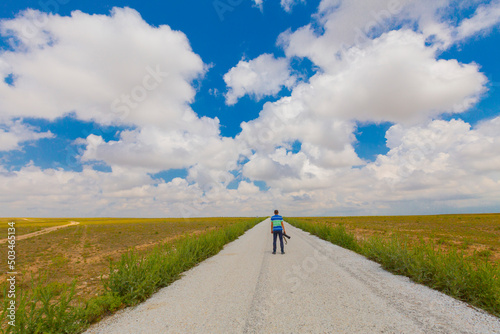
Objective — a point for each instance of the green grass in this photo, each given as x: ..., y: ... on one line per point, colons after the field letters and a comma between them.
x: 54, y: 308
x: 468, y: 278
x: 46, y: 308
x: 30, y: 225
x: 469, y: 232
x: 136, y: 277
x: 84, y: 250
x: 337, y: 235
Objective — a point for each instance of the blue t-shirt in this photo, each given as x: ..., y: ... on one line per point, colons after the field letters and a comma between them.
x: 277, y: 220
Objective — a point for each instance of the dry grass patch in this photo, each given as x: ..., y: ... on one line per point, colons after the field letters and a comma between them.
x: 477, y: 234
x: 83, y: 251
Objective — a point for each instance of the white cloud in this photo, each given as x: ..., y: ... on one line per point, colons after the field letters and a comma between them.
x: 367, y: 71
x: 288, y: 4
x: 442, y: 160
x: 395, y: 78
x: 345, y: 24
x: 97, y: 67
x: 369, y: 75
x: 153, y: 149
x: 356, y: 22
x: 32, y: 191
x: 440, y: 166
x: 16, y: 133
x: 248, y: 189
x: 269, y: 169
x: 258, y: 3
x: 485, y: 17
x: 259, y: 77
x: 113, y: 69
x: 285, y: 4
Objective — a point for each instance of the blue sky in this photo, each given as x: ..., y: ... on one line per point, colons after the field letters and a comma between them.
x: 237, y: 107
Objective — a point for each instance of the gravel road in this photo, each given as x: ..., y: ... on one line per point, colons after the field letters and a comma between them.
x: 316, y: 287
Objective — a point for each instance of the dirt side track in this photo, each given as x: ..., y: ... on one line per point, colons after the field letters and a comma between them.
x: 44, y: 231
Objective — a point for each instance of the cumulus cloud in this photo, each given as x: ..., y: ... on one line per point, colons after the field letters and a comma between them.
x: 15, y: 133
x: 118, y: 70
x: 396, y: 78
x: 153, y: 149
x: 344, y: 24
x: 371, y: 67
x: 369, y: 73
x: 355, y: 23
x: 33, y: 191
x: 325, y: 142
x: 440, y: 166
x: 112, y: 69
x: 259, y: 77
x: 441, y: 160
x: 49, y: 192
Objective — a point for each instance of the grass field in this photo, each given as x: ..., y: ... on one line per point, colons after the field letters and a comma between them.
x: 83, y: 251
x: 455, y: 254
x: 30, y: 225
x: 86, y: 271
x: 475, y: 233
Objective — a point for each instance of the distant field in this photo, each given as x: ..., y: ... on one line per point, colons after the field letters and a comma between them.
x: 30, y: 225
x: 83, y: 251
x: 478, y: 233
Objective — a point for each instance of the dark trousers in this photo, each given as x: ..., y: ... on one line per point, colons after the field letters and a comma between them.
x: 278, y: 234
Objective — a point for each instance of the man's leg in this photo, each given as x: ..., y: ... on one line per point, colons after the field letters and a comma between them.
x: 281, y: 242
x: 275, y: 234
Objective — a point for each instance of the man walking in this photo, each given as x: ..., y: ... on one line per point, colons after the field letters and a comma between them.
x: 277, y: 229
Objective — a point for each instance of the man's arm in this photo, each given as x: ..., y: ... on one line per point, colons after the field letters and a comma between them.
x: 283, y: 226
x: 271, y: 227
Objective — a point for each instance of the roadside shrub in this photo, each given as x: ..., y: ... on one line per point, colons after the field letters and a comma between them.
x: 335, y: 234
x: 100, y: 306
x: 46, y: 308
